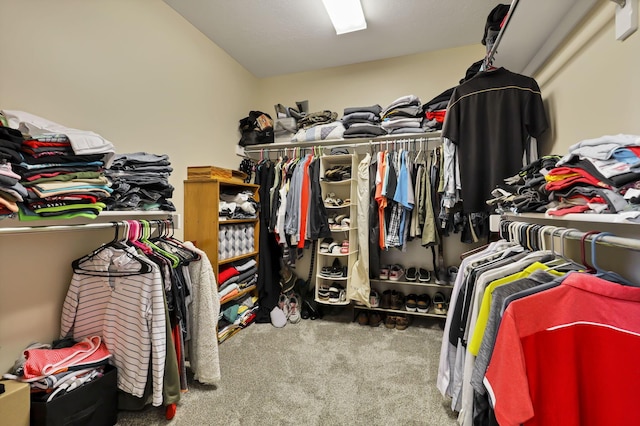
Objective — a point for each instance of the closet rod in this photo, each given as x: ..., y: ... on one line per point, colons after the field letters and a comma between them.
x: 340, y: 143
x: 611, y: 241
x: 61, y: 228
x: 488, y: 60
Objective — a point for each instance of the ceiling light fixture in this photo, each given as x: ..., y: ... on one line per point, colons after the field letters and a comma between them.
x: 346, y: 15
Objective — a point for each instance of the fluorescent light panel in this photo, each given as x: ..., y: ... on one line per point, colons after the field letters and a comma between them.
x: 346, y: 15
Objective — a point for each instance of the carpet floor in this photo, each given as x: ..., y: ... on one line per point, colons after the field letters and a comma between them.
x: 329, y: 371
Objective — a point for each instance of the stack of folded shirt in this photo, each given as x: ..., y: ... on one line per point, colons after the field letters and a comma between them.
x: 235, y: 277
x: 525, y: 191
x: 404, y: 115
x: 362, y: 122
x: 596, y: 176
x: 11, y: 191
x: 140, y: 182
x: 60, y: 184
x: 435, y: 111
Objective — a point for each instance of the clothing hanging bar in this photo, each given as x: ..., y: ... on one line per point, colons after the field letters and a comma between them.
x: 341, y: 143
x: 488, y: 60
x: 574, y: 234
x: 74, y: 227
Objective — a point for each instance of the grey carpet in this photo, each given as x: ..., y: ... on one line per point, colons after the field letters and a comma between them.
x: 329, y: 371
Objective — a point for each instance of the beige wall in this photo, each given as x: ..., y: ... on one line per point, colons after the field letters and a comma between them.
x: 133, y: 71
x: 591, y: 86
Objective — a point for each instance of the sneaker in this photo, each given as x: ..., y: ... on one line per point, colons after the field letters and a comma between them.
x: 424, y: 276
x: 294, y: 309
x: 324, y: 245
x: 323, y: 293
x: 440, y: 305
x: 384, y: 272
x: 283, y: 304
x: 453, y: 274
x: 396, y: 272
x: 345, y: 247
x: 374, y: 298
x: 423, y: 303
x: 411, y: 304
x: 336, y: 293
x: 412, y: 274
x: 336, y: 269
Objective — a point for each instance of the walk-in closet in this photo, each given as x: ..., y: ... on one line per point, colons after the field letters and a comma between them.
x: 243, y: 213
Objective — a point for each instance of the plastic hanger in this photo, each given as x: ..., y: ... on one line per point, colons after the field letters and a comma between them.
x: 583, y: 251
x: 607, y: 275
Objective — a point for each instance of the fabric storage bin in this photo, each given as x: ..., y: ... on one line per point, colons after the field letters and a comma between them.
x: 93, y: 404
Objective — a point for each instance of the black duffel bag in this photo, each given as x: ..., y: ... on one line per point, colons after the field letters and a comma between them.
x: 256, y: 129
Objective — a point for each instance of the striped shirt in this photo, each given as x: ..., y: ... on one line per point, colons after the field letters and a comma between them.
x: 126, y: 311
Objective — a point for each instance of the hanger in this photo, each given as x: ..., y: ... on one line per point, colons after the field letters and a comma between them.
x: 78, y: 267
x: 583, y: 251
x: 607, y: 275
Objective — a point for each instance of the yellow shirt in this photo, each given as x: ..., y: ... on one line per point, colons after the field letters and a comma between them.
x: 483, y: 314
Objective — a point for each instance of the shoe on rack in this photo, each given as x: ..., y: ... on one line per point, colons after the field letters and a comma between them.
x: 345, y: 247
x: 384, y: 272
x: 390, y: 321
x: 397, y: 300
x: 325, y: 244
x: 453, y: 274
x: 385, y: 300
x: 374, y: 319
x: 424, y: 276
x: 374, y: 298
x: 411, y: 304
x: 440, y: 305
x: 336, y: 269
x: 336, y: 293
x: 396, y: 272
x: 323, y: 292
x: 363, y: 318
x: 412, y: 274
x: 423, y: 303
x: 402, y: 322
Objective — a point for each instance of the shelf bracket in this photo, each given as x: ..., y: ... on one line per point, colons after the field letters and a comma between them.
x: 620, y: 3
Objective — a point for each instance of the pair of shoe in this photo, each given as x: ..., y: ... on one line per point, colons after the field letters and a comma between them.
x: 391, y: 272
x: 418, y: 274
x: 309, y: 311
x: 399, y: 322
x: 446, y: 276
x: 337, y: 293
x: 336, y: 270
x: 392, y: 299
x: 290, y: 305
x: 372, y: 319
x: 332, y: 201
x: 338, y: 173
x: 418, y: 303
x: 341, y: 222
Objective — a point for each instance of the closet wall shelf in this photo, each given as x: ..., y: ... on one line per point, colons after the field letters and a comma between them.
x: 336, y: 182
x: 224, y: 221
x: 398, y: 311
x: 240, y: 294
x: 338, y: 254
x: 337, y: 207
x: 233, y: 259
x: 414, y: 283
x: 326, y: 302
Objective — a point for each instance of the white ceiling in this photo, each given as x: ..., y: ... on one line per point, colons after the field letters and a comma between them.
x: 279, y: 37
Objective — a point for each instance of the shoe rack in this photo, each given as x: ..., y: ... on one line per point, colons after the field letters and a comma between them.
x: 417, y: 257
x: 344, y: 192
